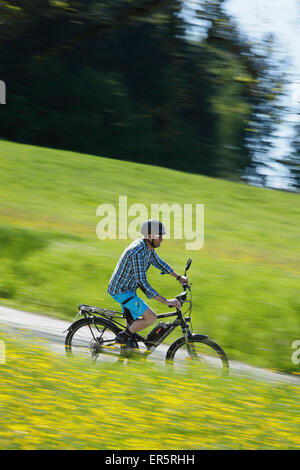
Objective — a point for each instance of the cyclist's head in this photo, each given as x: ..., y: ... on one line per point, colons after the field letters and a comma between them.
x: 154, y: 228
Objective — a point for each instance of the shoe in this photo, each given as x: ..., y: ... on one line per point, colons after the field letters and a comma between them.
x: 127, y: 340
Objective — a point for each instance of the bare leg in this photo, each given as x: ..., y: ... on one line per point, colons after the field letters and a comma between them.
x: 149, y: 317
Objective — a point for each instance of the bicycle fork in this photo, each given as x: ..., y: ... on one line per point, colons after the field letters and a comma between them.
x: 189, y: 345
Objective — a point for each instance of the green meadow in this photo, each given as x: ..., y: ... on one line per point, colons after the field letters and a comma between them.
x: 245, y: 278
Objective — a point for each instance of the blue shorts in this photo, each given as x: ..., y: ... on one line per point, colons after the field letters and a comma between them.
x: 135, y: 305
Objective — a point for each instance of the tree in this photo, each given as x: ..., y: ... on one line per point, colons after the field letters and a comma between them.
x: 124, y: 80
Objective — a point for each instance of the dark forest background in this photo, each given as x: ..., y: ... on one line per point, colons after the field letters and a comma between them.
x: 125, y: 79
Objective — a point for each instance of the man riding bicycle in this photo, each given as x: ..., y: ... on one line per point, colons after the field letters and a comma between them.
x: 130, y: 273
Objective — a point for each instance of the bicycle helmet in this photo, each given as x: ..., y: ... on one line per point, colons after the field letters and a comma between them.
x: 154, y: 228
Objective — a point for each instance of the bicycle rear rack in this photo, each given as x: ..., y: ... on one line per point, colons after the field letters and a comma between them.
x: 90, y: 310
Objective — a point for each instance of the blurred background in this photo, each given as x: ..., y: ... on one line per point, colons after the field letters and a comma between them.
x: 208, y: 87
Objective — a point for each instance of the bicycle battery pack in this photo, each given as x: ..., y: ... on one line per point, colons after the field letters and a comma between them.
x: 158, y: 331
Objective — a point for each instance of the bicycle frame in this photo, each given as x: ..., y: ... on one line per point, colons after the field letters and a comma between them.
x: 179, y: 321
x: 98, y: 320
x: 91, y: 312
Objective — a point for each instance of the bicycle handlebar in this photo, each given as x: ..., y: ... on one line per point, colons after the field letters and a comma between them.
x: 185, y: 286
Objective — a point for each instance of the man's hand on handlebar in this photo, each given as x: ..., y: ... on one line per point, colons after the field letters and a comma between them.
x: 183, y: 280
x: 174, y: 303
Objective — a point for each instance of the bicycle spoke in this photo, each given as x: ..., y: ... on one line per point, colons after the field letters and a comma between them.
x: 93, y: 340
x: 199, y: 354
x: 192, y: 351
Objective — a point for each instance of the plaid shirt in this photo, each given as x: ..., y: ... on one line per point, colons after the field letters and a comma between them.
x: 130, y: 272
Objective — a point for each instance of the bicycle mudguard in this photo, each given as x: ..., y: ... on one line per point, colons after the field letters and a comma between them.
x: 85, y: 321
x: 178, y: 340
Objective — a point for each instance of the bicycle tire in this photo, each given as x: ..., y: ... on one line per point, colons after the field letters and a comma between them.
x: 221, y: 358
x: 83, y: 338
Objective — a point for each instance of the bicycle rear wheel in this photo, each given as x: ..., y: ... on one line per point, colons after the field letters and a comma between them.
x: 199, y: 351
x: 93, y: 338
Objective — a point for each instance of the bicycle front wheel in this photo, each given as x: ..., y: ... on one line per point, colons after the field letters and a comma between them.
x: 198, y: 350
x: 93, y: 338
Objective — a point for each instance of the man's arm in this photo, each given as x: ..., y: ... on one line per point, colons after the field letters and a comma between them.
x: 181, y: 279
x: 162, y: 299
x: 141, y: 277
x: 166, y: 269
x: 169, y: 302
x: 159, y: 263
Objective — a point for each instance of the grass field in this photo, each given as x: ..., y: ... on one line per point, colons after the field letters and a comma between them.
x: 245, y: 278
x: 51, y: 402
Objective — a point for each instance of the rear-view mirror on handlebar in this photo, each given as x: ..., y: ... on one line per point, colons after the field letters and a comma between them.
x: 188, y: 264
